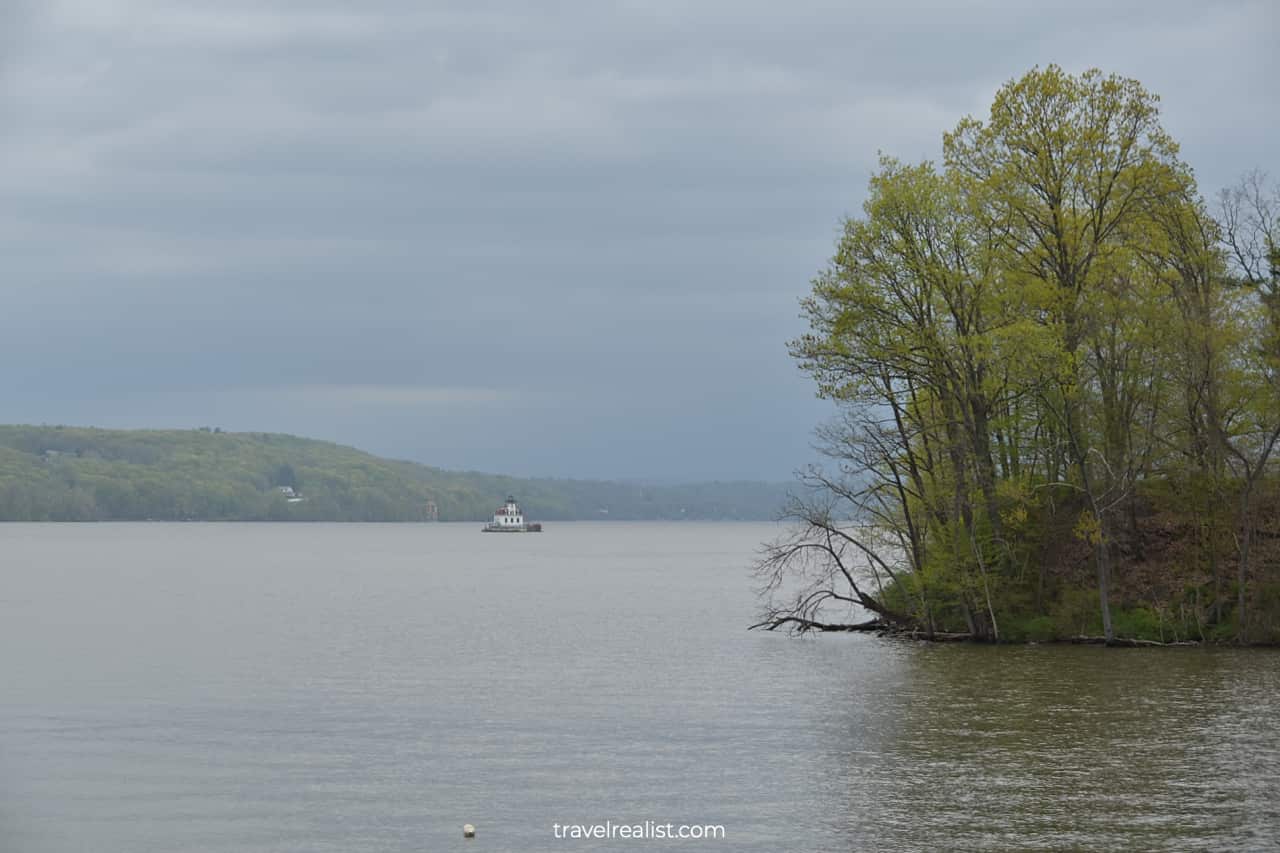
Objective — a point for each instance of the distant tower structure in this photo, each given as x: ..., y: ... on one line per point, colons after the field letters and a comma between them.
x: 433, y: 511
x: 509, y: 518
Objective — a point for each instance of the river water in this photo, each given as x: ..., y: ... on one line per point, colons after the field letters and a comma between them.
x: 201, y: 687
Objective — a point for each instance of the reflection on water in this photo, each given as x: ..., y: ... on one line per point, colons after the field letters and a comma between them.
x: 372, y: 688
x: 1072, y: 747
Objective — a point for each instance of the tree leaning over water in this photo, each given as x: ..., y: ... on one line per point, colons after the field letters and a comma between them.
x: 1058, y: 377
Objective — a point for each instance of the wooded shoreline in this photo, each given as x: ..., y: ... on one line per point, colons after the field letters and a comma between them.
x: 67, y: 473
x: 889, y: 630
x: 1055, y: 366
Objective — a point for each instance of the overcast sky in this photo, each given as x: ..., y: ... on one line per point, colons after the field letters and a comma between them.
x: 547, y: 238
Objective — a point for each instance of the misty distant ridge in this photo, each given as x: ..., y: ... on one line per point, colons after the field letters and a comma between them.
x: 65, y: 473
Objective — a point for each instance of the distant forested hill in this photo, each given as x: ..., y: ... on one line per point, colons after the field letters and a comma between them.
x: 55, y: 473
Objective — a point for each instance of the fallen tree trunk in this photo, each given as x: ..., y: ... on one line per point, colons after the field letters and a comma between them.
x: 888, y: 629
x: 802, y: 625
x: 936, y: 636
x: 1121, y: 641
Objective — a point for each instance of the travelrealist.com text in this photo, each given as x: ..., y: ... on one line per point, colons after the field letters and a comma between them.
x: 648, y: 830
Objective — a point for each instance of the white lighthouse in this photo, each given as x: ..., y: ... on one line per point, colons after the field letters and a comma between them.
x: 509, y: 514
x: 509, y: 518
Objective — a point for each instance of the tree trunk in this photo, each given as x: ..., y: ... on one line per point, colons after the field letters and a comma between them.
x: 1104, y: 582
x: 1103, y: 554
x: 1246, y: 538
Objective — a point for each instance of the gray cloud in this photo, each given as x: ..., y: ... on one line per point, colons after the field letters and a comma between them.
x: 412, y: 226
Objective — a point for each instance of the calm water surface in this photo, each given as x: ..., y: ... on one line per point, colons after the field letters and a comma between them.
x: 372, y: 688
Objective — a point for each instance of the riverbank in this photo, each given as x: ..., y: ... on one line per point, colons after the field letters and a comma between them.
x: 887, y: 630
x: 1175, y: 580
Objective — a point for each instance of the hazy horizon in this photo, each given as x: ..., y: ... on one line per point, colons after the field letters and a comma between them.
x: 488, y: 237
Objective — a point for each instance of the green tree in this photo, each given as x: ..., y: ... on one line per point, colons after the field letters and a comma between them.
x: 1067, y: 169
x: 1023, y: 347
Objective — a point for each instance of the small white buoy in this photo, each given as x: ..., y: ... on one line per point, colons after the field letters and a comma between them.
x: 468, y: 831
